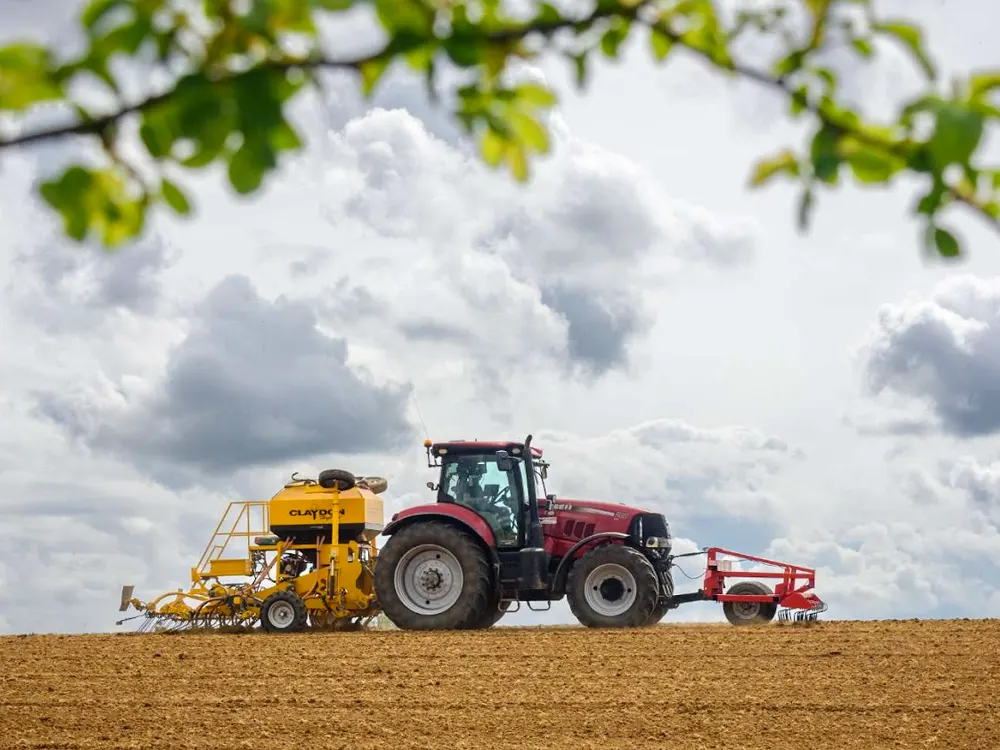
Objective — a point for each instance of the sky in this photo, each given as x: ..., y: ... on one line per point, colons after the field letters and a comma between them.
x: 667, y: 336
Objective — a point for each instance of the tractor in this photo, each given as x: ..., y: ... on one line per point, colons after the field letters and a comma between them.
x: 495, y: 538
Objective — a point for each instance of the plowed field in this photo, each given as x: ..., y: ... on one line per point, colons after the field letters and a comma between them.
x: 908, y: 684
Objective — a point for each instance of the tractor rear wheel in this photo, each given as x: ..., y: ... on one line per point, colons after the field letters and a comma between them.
x: 284, y: 612
x: 612, y: 586
x: 433, y: 576
x: 749, y: 613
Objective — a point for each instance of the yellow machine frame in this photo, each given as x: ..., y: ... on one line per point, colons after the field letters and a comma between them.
x: 338, y: 593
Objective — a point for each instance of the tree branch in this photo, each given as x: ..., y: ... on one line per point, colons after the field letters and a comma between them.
x: 514, y: 33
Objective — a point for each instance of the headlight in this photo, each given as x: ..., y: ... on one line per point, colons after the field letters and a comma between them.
x: 658, y: 542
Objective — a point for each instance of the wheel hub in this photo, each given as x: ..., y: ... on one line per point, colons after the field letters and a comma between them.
x: 281, y: 614
x: 612, y: 589
x: 429, y: 579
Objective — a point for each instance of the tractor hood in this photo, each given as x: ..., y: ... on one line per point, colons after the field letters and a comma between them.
x: 593, y: 507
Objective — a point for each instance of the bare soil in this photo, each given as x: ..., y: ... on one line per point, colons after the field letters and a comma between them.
x: 908, y: 684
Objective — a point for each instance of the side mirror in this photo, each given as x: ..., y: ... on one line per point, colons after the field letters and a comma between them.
x: 504, y: 461
x: 431, y: 486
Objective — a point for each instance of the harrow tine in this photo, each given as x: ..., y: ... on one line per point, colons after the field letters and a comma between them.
x: 802, y: 615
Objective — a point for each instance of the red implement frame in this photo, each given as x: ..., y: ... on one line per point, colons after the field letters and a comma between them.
x: 788, y: 593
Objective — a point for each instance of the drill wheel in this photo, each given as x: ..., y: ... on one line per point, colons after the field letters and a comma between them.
x: 284, y: 612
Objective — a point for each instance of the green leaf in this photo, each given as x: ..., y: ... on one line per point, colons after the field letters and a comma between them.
x: 175, y: 197
x: 284, y: 138
x: 824, y: 154
x: 790, y: 63
x: 156, y: 136
x: 535, y: 94
x: 248, y: 164
x: 798, y: 101
x: 933, y: 199
x: 870, y: 165
x: 96, y: 10
x: 420, y: 58
x: 492, y: 147
x: 946, y: 243
x: 765, y: 169
x: 69, y: 195
x: 956, y: 136
x: 660, y: 43
x: 371, y: 72
x: 27, y: 76
x: 612, y: 38
x: 465, y: 51
x: 127, y: 38
x: 912, y: 38
x: 92, y: 201
x: 530, y: 131
x: 981, y: 84
x: 547, y: 15
x: 863, y: 46
x: 517, y: 160
x: 405, y: 15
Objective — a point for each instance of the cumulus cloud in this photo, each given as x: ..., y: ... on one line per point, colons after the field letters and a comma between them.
x: 915, y: 555
x: 253, y: 383
x: 569, y: 263
x: 942, y: 354
x: 51, y: 277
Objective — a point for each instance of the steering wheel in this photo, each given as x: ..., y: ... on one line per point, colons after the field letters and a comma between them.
x: 501, y: 497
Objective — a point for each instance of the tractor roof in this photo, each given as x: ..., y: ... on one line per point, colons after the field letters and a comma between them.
x: 473, y: 447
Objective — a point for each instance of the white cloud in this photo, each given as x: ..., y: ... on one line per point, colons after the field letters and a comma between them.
x: 943, y: 352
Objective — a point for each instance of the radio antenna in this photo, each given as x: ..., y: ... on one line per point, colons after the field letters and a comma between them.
x: 420, y: 416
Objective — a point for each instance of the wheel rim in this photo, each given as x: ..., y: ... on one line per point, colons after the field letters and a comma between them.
x: 281, y: 614
x: 746, y: 610
x: 429, y: 579
x: 610, y: 590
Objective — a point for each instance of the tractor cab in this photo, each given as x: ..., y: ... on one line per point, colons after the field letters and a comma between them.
x: 487, y: 478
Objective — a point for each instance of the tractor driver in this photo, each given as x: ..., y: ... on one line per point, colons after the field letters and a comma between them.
x: 469, y: 485
x: 467, y: 489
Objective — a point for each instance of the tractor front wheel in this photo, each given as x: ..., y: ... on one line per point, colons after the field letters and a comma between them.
x: 433, y: 576
x: 612, y: 586
x: 658, y: 612
x: 284, y: 612
x: 666, y: 604
x: 749, y: 613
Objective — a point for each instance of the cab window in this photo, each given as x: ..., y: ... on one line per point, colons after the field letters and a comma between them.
x: 478, y: 484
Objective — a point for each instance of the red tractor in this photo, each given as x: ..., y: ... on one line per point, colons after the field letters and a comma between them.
x: 496, y: 538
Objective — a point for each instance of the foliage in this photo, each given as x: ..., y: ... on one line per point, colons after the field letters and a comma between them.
x: 235, y: 65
